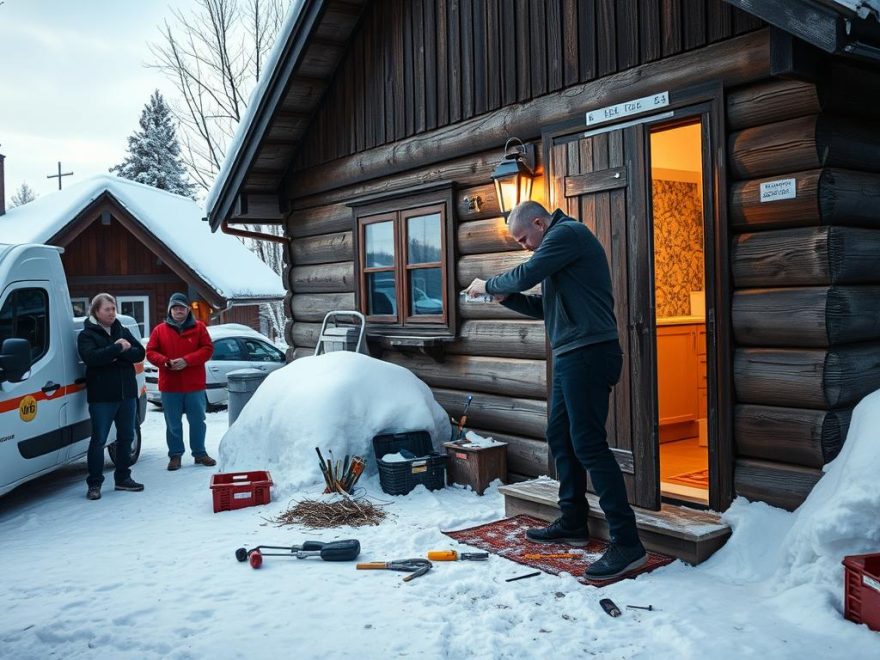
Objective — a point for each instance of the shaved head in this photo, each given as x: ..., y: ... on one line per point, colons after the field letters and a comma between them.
x: 522, y: 215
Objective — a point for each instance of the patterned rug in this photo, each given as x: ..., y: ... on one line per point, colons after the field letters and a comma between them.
x: 507, y: 538
x: 697, y: 479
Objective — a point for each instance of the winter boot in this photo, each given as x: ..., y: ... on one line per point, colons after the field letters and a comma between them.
x: 130, y: 485
x: 94, y: 493
x: 205, y: 460
x: 618, y: 560
x: 174, y: 463
x: 557, y: 532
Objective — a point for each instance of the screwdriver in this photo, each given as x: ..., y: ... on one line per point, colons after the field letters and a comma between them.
x: 452, y: 555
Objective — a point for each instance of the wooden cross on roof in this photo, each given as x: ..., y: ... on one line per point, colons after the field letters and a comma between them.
x: 59, y: 175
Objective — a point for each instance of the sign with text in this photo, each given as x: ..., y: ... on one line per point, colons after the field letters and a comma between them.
x: 627, y: 108
x: 774, y: 191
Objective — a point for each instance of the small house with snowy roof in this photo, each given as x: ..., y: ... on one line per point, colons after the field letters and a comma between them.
x: 142, y: 244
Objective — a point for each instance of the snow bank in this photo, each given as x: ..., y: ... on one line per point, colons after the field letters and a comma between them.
x: 335, y: 401
x: 797, y: 556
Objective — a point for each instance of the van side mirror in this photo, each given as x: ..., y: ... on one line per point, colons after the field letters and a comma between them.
x: 15, y: 359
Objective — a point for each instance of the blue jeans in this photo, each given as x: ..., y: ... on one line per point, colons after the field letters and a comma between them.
x: 175, y: 405
x: 124, y: 413
x: 582, y: 382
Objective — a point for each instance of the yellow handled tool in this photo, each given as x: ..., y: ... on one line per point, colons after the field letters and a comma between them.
x: 415, y: 567
x: 452, y: 555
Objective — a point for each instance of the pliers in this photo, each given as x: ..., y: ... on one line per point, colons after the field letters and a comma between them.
x: 415, y: 567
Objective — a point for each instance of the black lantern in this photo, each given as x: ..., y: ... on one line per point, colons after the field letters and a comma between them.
x: 513, y: 175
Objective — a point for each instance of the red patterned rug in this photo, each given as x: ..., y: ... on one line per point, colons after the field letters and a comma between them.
x: 696, y: 479
x: 507, y: 538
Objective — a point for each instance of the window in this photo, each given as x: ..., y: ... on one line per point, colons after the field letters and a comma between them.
x: 261, y: 351
x: 404, y: 265
x: 227, y: 349
x: 138, y: 307
x: 80, y: 306
x: 25, y: 315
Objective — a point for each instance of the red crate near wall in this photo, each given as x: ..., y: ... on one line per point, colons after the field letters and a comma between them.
x: 237, y: 490
x: 862, y: 589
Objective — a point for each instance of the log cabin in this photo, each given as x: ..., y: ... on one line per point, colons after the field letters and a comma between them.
x: 142, y: 244
x: 723, y: 152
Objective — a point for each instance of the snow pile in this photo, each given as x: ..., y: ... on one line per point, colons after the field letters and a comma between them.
x: 797, y: 556
x: 842, y: 514
x: 335, y: 401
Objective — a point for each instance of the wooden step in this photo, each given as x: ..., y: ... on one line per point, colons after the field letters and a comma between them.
x: 688, y: 534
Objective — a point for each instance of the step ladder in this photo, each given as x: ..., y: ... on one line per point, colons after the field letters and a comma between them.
x: 342, y: 331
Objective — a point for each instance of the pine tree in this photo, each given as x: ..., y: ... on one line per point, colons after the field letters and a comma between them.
x: 23, y: 195
x: 154, y: 152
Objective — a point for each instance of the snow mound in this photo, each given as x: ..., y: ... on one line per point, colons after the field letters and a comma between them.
x: 336, y: 401
x: 840, y: 516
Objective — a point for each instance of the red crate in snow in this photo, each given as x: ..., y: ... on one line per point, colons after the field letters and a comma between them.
x: 862, y: 589
x: 236, y: 490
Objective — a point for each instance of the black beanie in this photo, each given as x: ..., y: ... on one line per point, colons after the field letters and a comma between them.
x: 177, y: 299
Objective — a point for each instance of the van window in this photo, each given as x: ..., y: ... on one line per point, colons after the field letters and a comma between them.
x: 25, y: 315
x: 227, y: 349
x: 262, y: 352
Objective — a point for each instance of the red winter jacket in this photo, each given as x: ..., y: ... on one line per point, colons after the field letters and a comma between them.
x: 192, y: 344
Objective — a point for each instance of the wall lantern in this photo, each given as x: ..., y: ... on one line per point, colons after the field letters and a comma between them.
x: 513, y: 175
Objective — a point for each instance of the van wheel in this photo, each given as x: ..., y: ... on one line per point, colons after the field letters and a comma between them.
x: 135, y: 448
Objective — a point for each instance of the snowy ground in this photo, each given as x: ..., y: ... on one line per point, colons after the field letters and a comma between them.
x: 152, y: 574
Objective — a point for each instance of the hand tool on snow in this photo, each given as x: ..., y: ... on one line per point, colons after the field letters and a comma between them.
x: 553, y: 555
x: 415, y: 567
x: 523, y: 577
x: 649, y: 608
x: 610, y: 608
x: 332, y: 551
x: 452, y: 555
x: 463, y: 419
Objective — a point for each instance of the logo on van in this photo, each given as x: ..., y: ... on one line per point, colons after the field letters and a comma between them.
x: 27, y: 409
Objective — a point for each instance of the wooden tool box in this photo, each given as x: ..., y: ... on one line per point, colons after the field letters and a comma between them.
x: 476, y: 467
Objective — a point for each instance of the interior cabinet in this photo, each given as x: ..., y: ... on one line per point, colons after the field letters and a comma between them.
x: 681, y: 378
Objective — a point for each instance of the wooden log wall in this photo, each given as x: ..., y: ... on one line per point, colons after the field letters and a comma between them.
x: 806, y: 301
x: 499, y: 356
x: 418, y: 65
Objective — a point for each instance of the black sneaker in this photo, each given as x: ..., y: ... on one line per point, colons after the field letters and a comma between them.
x: 617, y: 561
x: 94, y: 493
x: 556, y: 532
x: 130, y: 484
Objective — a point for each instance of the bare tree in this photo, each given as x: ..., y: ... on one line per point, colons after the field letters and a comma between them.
x: 215, y: 55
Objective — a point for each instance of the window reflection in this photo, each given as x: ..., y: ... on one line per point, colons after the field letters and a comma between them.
x: 423, y: 239
x: 381, y: 294
x: 426, y: 292
x: 379, y: 239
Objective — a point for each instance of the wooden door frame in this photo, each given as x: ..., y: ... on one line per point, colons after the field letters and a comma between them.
x: 706, y: 101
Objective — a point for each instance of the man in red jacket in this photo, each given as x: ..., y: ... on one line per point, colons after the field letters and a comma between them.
x: 179, y: 348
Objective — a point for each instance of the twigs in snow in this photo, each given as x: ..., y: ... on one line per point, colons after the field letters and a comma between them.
x: 318, y: 514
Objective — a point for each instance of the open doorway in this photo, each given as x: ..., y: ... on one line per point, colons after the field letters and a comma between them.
x: 680, y: 310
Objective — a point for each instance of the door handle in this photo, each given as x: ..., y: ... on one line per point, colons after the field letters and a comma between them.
x: 50, y: 388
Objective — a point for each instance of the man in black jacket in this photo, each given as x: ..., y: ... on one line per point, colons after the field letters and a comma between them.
x: 577, y: 306
x: 110, y: 352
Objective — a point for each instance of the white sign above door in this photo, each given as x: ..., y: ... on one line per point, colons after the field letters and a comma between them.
x: 627, y: 108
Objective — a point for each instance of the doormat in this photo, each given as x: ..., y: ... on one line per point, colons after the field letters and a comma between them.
x: 507, y: 538
x: 697, y: 479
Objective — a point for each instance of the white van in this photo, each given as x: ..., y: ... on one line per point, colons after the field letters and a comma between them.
x: 44, y: 415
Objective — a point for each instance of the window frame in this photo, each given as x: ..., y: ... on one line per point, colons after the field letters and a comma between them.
x: 48, y: 313
x: 398, y: 207
x: 82, y: 299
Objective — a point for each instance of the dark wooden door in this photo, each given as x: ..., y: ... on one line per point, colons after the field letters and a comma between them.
x: 601, y: 179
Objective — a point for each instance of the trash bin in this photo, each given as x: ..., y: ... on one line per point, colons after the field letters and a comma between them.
x: 242, y: 383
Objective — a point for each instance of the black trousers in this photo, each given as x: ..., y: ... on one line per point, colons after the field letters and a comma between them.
x: 582, y: 382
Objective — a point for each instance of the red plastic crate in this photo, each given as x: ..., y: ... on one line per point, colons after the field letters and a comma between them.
x: 862, y: 589
x: 237, y: 490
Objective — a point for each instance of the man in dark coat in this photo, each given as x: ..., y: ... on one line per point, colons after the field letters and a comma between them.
x: 110, y: 352
x: 577, y: 306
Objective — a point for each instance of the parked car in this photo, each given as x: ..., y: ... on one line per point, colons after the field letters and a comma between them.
x: 44, y: 412
x: 236, y: 346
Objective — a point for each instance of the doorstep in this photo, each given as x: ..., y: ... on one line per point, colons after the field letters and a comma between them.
x: 688, y: 534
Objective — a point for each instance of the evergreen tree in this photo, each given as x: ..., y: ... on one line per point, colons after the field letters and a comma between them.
x: 154, y: 152
x: 23, y: 195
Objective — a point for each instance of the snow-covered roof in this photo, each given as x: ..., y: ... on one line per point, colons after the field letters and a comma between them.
x: 222, y: 261
x: 861, y: 7
x: 254, y: 103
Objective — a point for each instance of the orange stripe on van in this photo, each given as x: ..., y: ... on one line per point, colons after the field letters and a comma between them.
x: 65, y: 390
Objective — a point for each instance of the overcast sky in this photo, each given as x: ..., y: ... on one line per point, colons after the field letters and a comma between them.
x: 73, y: 84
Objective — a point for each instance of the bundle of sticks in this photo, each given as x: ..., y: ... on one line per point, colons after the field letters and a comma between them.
x: 340, y: 475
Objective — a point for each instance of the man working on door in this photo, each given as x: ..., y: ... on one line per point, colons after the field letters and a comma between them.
x: 578, y: 311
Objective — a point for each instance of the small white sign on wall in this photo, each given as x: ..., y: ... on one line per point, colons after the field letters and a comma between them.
x: 774, y: 191
x: 634, y: 107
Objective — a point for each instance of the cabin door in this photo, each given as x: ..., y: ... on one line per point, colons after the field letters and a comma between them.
x: 600, y: 180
